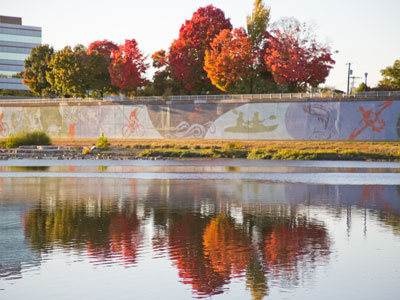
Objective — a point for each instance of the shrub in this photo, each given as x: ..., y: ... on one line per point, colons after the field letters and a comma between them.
x: 102, y: 142
x: 34, y: 138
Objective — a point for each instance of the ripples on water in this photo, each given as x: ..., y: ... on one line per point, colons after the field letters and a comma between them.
x: 237, y: 238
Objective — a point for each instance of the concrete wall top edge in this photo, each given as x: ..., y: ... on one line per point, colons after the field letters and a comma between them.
x: 5, y: 102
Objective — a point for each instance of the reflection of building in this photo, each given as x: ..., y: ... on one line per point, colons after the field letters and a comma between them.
x: 14, y: 251
x: 16, y: 42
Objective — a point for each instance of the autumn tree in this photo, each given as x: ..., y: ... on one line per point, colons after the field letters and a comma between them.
x: 391, y: 77
x: 104, y: 47
x: 163, y: 81
x: 68, y: 74
x: 99, y: 58
x: 235, y: 62
x: 295, y: 58
x: 229, y: 61
x: 36, y: 66
x: 127, y: 67
x: 186, y: 54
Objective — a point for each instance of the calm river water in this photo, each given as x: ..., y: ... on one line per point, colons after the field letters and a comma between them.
x: 217, y: 229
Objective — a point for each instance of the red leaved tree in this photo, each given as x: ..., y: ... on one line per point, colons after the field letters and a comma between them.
x: 104, y: 47
x: 229, y: 61
x: 294, y: 57
x: 99, y: 59
x: 127, y: 67
x: 186, y: 54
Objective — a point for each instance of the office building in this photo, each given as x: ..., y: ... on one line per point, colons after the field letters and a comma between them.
x: 16, y: 42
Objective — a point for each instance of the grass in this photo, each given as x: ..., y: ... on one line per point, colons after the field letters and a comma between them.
x: 274, y: 150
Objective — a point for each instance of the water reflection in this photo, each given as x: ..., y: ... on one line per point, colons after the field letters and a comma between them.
x: 213, y: 232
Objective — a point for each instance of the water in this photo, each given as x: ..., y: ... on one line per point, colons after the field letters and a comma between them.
x: 220, y: 229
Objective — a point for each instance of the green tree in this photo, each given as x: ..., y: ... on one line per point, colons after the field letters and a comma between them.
x: 261, y: 80
x: 99, y: 58
x: 36, y: 67
x: 68, y: 74
x: 391, y: 77
x: 99, y: 79
x: 362, y: 88
x: 257, y: 23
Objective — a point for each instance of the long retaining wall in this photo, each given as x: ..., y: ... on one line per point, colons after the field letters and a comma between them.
x: 369, y: 120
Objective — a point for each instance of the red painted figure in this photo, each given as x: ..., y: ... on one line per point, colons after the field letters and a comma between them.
x: 133, y: 126
x: 3, y: 126
x: 371, y: 119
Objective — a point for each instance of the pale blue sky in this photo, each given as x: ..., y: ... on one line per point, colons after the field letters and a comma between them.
x: 365, y: 32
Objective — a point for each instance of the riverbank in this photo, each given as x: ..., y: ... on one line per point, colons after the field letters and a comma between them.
x: 179, y: 149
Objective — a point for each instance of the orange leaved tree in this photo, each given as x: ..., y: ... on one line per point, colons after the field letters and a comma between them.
x: 229, y: 61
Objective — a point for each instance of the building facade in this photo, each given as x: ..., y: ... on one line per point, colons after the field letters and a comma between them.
x: 16, y: 42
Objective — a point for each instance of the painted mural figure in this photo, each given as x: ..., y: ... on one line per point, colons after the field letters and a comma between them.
x: 323, y: 115
x: 193, y: 128
x: 3, y: 126
x: 134, y: 127
x: 195, y: 115
x: 255, y: 125
x: 371, y: 119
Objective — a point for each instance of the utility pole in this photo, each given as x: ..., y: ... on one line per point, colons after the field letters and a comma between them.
x: 349, y: 72
x: 353, y: 78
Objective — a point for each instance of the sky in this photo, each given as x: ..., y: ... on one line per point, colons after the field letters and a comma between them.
x: 366, y: 33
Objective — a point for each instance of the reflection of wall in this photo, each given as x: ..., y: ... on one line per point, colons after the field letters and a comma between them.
x: 358, y: 120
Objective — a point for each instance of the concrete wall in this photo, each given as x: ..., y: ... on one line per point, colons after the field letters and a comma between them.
x: 356, y: 120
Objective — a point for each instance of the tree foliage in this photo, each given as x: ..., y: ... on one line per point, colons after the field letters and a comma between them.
x: 391, y: 77
x: 229, y: 61
x: 238, y: 66
x: 104, y: 47
x: 99, y: 58
x: 68, y: 73
x: 36, y: 66
x: 127, y: 67
x: 207, y: 57
x: 186, y: 54
x: 294, y: 57
x: 164, y: 84
x: 257, y: 23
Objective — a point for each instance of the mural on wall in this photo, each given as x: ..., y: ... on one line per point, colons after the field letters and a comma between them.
x: 313, y: 121
x: 189, y: 121
x: 192, y: 128
x: 371, y: 119
x: 47, y: 119
x: 252, y: 121
x: 255, y: 125
x: 4, y: 130
x: 133, y: 127
x: 72, y: 117
x: 361, y: 120
x: 398, y: 126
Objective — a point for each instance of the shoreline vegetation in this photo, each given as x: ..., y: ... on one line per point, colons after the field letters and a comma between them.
x: 185, y: 149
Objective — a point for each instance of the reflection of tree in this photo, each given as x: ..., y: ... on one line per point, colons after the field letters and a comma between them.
x: 256, y: 279
x: 66, y: 225
x: 293, y: 245
x: 103, y: 231
x: 125, y: 236
x: 391, y: 220
x: 187, y: 253
x: 227, y: 247
x: 231, y: 252
x: 208, y: 248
